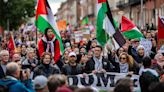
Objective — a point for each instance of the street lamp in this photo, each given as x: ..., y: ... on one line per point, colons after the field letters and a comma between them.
x: 8, y: 24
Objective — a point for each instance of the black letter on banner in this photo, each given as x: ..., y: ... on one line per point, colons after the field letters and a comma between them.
x: 112, y: 80
x: 75, y: 80
x: 91, y: 80
x: 100, y: 76
x: 134, y: 84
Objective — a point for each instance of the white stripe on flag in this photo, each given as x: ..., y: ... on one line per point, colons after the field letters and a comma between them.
x: 107, y: 25
x: 52, y: 21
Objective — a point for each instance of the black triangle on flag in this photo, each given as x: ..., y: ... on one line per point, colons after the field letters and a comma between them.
x: 119, y: 38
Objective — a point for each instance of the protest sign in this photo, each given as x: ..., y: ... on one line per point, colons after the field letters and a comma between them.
x: 79, y: 35
x: 147, y: 45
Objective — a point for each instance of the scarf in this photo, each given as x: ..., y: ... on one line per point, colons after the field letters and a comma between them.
x: 124, y: 68
x: 46, y: 65
x: 98, y: 63
x: 50, y: 44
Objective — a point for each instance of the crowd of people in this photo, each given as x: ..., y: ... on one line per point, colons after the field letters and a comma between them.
x: 41, y: 67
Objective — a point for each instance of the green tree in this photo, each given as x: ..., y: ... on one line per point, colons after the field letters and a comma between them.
x: 16, y: 11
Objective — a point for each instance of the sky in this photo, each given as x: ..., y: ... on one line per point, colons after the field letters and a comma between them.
x: 55, y: 4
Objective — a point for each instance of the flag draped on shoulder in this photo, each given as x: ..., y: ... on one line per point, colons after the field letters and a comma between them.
x: 106, y: 26
x: 129, y: 30
x: 45, y: 19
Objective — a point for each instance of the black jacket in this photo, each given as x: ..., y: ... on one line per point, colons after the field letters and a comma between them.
x: 42, y: 70
x: 107, y: 65
x: 2, y: 74
x: 71, y: 70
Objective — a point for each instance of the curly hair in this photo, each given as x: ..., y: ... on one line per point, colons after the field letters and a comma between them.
x: 130, y: 59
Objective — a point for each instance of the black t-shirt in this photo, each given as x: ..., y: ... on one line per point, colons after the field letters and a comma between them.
x: 74, y: 70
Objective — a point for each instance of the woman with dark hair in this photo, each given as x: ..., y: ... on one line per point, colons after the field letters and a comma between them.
x: 49, y: 43
x: 45, y: 68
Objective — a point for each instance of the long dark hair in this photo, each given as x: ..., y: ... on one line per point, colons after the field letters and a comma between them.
x: 46, y: 31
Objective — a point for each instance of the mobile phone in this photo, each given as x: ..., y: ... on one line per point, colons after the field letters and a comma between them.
x: 163, y: 54
x: 21, y: 74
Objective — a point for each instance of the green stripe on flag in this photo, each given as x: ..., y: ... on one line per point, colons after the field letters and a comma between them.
x: 42, y: 24
x: 101, y: 35
x: 132, y: 34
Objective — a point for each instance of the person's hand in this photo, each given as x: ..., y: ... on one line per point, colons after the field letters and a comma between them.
x: 94, y: 71
x: 130, y: 74
x: 83, y: 75
x: 109, y: 48
x: 33, y: 65
x: 103, y: 71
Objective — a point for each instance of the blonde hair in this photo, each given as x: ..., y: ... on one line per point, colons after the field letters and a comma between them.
x: 130, y: 59
x: 28, y: 50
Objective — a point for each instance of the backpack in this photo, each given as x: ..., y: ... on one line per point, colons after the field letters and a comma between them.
x: 147, y: 79
x: 4, y: 88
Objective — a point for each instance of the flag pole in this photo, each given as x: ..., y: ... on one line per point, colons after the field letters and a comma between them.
x: 36, y: 36
x: 142, y: 20
x: 106, y: 40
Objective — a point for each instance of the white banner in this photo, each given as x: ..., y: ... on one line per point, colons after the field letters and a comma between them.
x: 101, y: 81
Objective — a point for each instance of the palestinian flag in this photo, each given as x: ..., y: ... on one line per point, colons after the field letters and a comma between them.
x: 129, y: 30
x: 45, y: 19
x: 85, y: 21
x: 106, y: 27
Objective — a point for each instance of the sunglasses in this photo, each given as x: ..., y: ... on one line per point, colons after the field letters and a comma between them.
x: 123, y: 58
x: 72, y: 56
x: 17, y: 60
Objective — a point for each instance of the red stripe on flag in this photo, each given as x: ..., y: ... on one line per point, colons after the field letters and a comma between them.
x: 101, y: 1
x: 126, y: 24
x: 41, y: 9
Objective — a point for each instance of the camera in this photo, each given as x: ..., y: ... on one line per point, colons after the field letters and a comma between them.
x: 163, y: 54
x: 21, y: 73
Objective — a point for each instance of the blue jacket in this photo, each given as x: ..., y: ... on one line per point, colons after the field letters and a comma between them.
x: 17, y: 86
